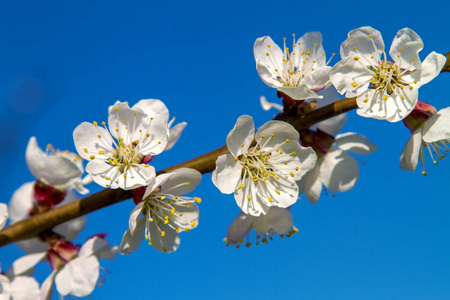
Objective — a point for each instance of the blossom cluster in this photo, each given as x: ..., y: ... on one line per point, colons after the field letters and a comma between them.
x: 265, y: 168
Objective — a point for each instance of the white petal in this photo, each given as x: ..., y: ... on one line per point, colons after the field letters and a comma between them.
x: 300, y: 92
x: 266, y: 74
x: 159, y: 134
x: 155, y: 183
x: 131, y: 242
x: 47, y: 286
x: 54, y: 169
x: 280, y: 130
x: 175, y: 133
x: 355, y: 143
x: 183, y: 181
x: 26, y: 263
x: 87, y: 142
x: 189, y: 218
x: 333, y: 125
x: 91, y: 246
x: 312, y: 184
x: 153, y: 107
x: 5, y: 288
x: 339, y: 171
x: 410, y: 154
x: 258, y: 203
x: 266, y: 64
x: 359, y: 39
x: 406, y: 44
x: 21, y: 202
x: 125, y: 122
x: 78, y: 277
x: 266, y: 105
x: 241, y: 136
x: 167, y: 243
x: 239, y: 227
x: 24, y: 288
x: 134, y: 217
x: 319, y: 79
x: 3, y: 215
x: 276, y: 221
x: 346, y: 73
x: 311, y: 42
x: 431, y: 67
x: 33, y: 245
x: 437, y: 128
x: 227, y: 173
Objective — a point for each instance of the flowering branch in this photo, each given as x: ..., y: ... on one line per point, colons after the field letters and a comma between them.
x: 204, y: 164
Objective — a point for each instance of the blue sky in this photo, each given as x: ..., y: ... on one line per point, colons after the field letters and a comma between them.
x: 62, y: 64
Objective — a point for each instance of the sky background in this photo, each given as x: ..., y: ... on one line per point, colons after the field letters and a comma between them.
x: 63, y: 63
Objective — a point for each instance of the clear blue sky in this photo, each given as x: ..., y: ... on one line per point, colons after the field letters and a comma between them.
x: 64, y: 63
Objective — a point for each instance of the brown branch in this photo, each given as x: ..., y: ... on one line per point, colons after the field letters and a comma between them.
x: 446, y: 67
x: 205, y: 163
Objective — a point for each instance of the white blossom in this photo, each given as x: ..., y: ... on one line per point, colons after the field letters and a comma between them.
x: 276, y: 221
x: 17, y: 286
x: 164, y: 212
x: 263, y: 174
x: 431, y: 133
x: 139, y: 132
x: 384, y: 89
x: 299, y: 73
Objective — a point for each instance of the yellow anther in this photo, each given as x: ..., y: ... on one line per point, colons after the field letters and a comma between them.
x: 172, y: 211
x: 147, y: 166
x: 249, y: 198
x: 410, y: 87
x: 124, y: 175
x: 92, y: 156
x: 403, y: 97
x: 107, y: 178
x: 272, y: 135
x: 192, y: 224
x: 424, y: 173
x: 241, y: 241
x: 95, y: 123
x: 150, y: 243
x: 354, y: 48
x: 163, y: 197
x: 146, y: 237
x: 285, y: 163
x: 240, y: 186
x: 188, y: 183
x: 278, y: 192
x: 197, y: 199
x: 103, y: 123
x: 101, y: 152
x: 99, y: 136
x: 413, y: 59
x: 267, y: 53
x: 292, y: 174
x: 225, y: 240
x: 268, y: 46
x: 243, y: 144
x: 236, y: 158
x: 187, y: 229
x: 147, y: 135
x: 366, y: 100
x: 178, y: 229
x: 164, y: 249
x: 294, y: 153
x: 315, y: 44
x: 296, y: 168
x: 354, y: 84
x: 287, y: 140
x: 385, y: 97
x: 181, y: 214
x: 263, y: 136
x: 117, y: 129
x: 150, y: 219
x: 163, y: 233
x: 356, y: 58
x: 370, y: 35
x: 270, y: 199
x: 85, y: 150
x: 166, y: 222
x: 116, y: 108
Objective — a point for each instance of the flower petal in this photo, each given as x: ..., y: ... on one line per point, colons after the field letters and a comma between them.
x: 405, y: 49
x: 339, y: 171
x: 53, y: 169
x: 241, y: 136
x: 239, y: 227
x: 367, y: 46
x: 91, y: 246
x: 156, y: 183
x: 153, y: 107
x: 275, y: 133
x: 431, y: 67
x: 3, y: 215
x: 78, y: 277
x: 410, y: 154
x: 24, y: 288
x: 134, y: 217
x: 437, y: 128
x: 348, y: 72
x: 175, y: 133
x: 26, y: 263
x: 355, y: 143
x: 47, y: 286
x: 131, y: 242
x: 319, y: 79
x: 300, y: 92
x: 167, y: 243
x: 21, y: 202
x: 276, y: 221
x: 311, y: 42
x: 88, y: 143
x: 183, y: 181
x: 266, y: 105
x: 312, y: 184
x: 227, y: 173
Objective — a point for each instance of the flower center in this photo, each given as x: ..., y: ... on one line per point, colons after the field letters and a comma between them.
x: 256, y: 165
x: 125, y: 155
x: 387, y: 76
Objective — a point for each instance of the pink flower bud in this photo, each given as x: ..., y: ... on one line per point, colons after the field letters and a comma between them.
x: 422, y: 112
